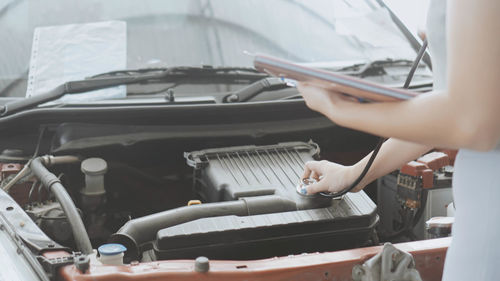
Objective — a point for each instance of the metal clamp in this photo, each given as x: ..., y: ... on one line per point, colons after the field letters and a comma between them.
x: 390, y: 264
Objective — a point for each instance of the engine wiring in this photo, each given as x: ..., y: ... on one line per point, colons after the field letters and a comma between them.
x: 25, y: 171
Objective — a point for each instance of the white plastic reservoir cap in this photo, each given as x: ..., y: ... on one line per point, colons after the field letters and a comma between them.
x: 94, y: 170
x: 112, y: 254
x: 94, y: 166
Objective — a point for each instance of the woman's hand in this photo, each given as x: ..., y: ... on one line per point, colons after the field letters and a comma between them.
x: 326, y: 102
x: 330, y: 177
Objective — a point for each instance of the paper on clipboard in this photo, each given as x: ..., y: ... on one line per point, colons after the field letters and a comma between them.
x: 76, y: 51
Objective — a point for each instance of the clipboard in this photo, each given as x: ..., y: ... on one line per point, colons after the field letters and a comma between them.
x: 349, y: 85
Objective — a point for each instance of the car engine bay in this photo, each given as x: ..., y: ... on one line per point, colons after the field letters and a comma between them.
x: 238, y: 202
x: 169, y: 196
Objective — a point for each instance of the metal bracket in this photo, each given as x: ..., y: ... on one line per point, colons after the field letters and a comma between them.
x: 390, y: 264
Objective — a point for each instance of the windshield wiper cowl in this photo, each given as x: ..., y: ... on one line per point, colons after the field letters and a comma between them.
x: 123, y: 77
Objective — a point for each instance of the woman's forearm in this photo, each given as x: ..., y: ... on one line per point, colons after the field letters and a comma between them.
x: 433, y: 119
x: 393, y: 154
x: 423, y: 119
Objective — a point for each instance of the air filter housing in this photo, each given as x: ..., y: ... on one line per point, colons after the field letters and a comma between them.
x: 235, y: 172
x: 232, y: 173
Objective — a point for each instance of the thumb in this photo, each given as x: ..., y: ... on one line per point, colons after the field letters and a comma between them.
x: 316, y: 187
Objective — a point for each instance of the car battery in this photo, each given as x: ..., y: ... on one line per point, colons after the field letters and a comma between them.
x: 420, y: 190
x: 315, y: 223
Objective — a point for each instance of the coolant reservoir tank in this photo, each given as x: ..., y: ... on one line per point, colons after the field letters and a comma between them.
x: 111, y: 254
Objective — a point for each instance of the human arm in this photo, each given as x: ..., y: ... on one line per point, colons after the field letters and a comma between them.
x: 465, y: 116
x: 393, y: 154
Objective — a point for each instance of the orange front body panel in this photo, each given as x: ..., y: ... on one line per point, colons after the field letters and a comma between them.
x: 429, y: 258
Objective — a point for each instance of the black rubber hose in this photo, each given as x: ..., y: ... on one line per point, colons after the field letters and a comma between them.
x: 143, y: 230
x: 54, y: 185
x: 360, y: 177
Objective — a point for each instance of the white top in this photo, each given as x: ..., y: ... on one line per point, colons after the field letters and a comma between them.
x: 436, y: 36
x: 474, y: 253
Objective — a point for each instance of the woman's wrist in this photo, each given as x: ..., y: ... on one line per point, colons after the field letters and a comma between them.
x: 354, y: 172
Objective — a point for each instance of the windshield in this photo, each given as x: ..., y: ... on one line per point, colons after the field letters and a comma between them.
x: 197, y: 32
